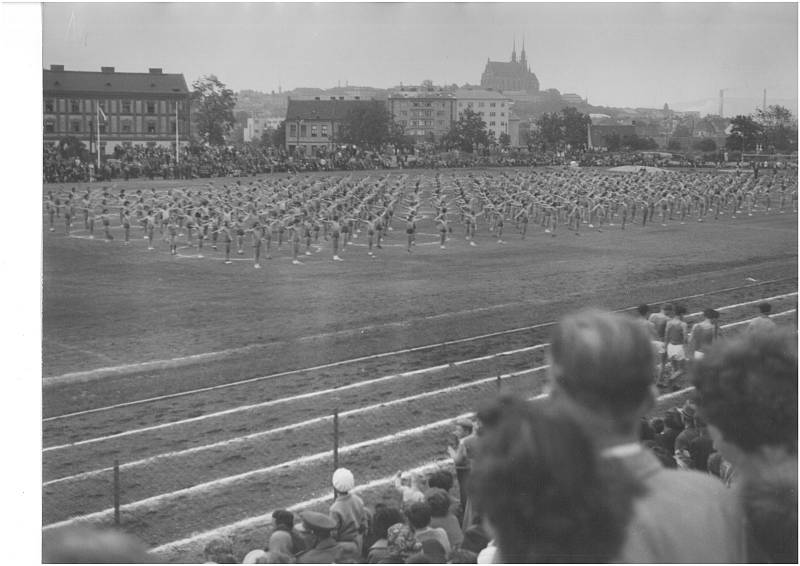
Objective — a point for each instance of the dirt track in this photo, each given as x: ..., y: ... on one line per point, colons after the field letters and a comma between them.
x: 106, y: 305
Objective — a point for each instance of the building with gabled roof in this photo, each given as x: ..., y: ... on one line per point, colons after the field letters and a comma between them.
x: 312, y: 125
x: 512, y: 75
x: 149, y: 109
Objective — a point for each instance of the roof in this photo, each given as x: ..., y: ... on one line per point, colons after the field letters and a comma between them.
x: 505, y: 69
x: 421, y: 94
x: 480, y: 94
x: 322, y: 109
x: 114, y: 83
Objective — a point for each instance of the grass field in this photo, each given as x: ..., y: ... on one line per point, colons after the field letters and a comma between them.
x: 214, y: 385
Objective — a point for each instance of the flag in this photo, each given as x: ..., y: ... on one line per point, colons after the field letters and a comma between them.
x: 101, y: 113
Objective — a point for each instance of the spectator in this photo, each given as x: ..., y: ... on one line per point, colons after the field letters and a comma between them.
x: 419, y: 517
x: 401, y: 544
x: 322, y: 547
x: 704, y: 333
x: 763, y: 322
x: 599, y: 374
x: 693, y: 445
x: 410, y: 487
x: 475, y: 539
x: 384, y: 518
x: 462, y: 456
x: 434, y: 551
x: 441, y: 479
x: 85, y: 545
x: 219, y: 551
x: 537, y: 473
x: 463, y: 556
x: 348, y: 512
x: 441, y: 517
x: 747, y: 391
x: 720, y: 467
x: 284, y: 539
x: 673, y: 426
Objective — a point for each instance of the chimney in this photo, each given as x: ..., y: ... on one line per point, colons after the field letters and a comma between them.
x: 154, y: 70
x: 106, y: 69
x: 357, y: 97
x: 56, y: 67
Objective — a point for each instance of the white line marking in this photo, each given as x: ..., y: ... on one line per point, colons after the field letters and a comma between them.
x: 184, y: 360
x: 302, y: 424
x: 213, y: 355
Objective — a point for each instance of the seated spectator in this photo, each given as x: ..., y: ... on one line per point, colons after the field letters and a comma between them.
x: 384, y: 518
x: 720, y: 467
x: 747, y: 391
x: 600, y: 376
x: 401, y: 544
x: 475, y: 539
x: 673, y: 426
x: 693, y: 445
x: 434, y: 551
x: 284, y: 539
x: 666, y: 458
x: 410, y: 487
x: 441, y: 479
x: 348, y: 512
x: 657, y: 425
x: 566, y: 503
x: 322, y: 547
x: 219, y: 551
x: 419, y: 517
x: 462, y: 556
x: 442, y: 517
x: 86, y: 545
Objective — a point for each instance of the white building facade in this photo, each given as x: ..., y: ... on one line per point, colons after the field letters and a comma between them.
x: 492, y: 106
x: 257, y: 126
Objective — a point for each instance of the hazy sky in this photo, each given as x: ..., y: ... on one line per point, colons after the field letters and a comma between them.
x: 631, y: 54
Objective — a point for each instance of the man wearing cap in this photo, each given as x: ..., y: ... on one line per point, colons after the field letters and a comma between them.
x: 348, y: 512
x: 600, y: 374
x: 762, y: 323
x: 323, y: 549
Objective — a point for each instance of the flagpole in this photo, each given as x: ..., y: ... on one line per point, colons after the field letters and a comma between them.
x: 97, y: 141
x: 177, y: 139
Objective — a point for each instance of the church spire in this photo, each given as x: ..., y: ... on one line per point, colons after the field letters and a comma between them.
x: 514, y: 52
x: 523, y: 60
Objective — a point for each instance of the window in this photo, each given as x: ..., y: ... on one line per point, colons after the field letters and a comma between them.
x: 428, y: 123
x: 126, y: 106
x: 172, y: 126
x: 428, y: 113
x: 303, y: 130
x: 49, y: 105
x: 502, y: 105
x: 102, y: 105
x: 102, y: 128
x: 292, y: 129
x: 49, y: 126
x: 126, y: 126
x: 492, y: 113
x: 492, y: 123
x: 480, y: 105
x: 151, y: 107
x: 151, y: 127
x: 402, y: 122
x: 324, y: 131
x: 74, y: 107
x: 313, y: 131
x: 75, y: 126
x: 440, y: 112
x: 492, y: 105
x: 502, y: 113
x: 440, y: 123
x: 403, y: 113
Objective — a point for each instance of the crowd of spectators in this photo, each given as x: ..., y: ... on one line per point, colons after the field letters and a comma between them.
x: 587, y: 474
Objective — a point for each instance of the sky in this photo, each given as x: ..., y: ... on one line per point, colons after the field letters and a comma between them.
x: 619, y: 54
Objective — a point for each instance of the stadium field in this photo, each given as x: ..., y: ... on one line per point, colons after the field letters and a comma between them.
x: 214, y: 384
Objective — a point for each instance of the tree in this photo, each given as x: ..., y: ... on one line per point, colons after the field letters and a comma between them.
x: 575, y: 125
x: 779, y: 128
x: 278, y: 138
x: 71, y: 146
x: 705, y: 144
x: 613, y: 142
x: 745, y: 134
x: 368, y: 125
x: 505, y: 140
x: 214, y: 104
x: 468, y: 132
x: 674, y: 145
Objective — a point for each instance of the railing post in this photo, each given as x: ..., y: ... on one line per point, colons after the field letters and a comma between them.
x: 116, y: 492
x: 335, y: 442
x: 499, y: 382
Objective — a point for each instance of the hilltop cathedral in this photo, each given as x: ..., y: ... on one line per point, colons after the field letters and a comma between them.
x: 514, y: 75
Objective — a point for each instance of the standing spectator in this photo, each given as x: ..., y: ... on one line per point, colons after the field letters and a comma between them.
x: 763, y: 322
x: 747, y: 391
x: 419, y: 517
x: 348, y: 512
x: 219, y: 551
x: 401, y: 544
x: 599, y: 374
x: 463, y: 455
x: 441, y: 517
x: 410, y: 487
